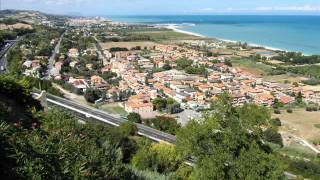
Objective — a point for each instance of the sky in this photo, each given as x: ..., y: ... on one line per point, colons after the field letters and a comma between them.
x: 167, y: 7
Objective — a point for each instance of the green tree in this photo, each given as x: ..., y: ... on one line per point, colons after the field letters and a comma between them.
x: 91, y: 95
x: 173, y: 108
x: 166, y: 124
x: 271, y: 135
x: 299, y: 98
x: 161, y: 157
x: 277, y: 104
x: 159, y: 103
x: 253, y: 117
x: 166, y: 67
x: 134, y: 117
x: 183, y: 63
x: 128, y: 129
x: 226, y: 143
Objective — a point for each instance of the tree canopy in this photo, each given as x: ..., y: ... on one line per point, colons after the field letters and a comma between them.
x: 228, y: 143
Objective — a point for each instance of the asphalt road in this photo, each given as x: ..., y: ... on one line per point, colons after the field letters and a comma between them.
x: 102, y: 116
x: 3, y: 60
x: 51, y: 60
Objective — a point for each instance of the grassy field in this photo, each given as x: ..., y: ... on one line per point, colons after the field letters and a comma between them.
x: 252, y: 66
x: 282, y: 78
x: 263, y: 70
x: 128, y: 45
x: 297, y: 150
x: 166, y: 35
x: 113, y: 109
x: 301, y: 123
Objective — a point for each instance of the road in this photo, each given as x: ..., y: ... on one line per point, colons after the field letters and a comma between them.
x: 3, y: 60
x: 102, y: 116
x: 51, y: 60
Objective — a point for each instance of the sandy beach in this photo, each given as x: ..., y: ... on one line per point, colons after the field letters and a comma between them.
x: 175, y: 28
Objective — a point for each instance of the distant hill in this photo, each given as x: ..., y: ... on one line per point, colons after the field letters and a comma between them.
x: 29, y: 16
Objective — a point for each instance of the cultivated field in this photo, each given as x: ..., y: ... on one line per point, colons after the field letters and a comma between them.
x: 15, y: 26
x: 167, y: 35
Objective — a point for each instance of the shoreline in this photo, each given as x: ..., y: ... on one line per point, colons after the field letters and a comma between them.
x: 176, y: 29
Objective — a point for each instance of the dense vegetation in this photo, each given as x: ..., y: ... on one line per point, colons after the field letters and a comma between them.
x: 166, y: 104
x: 53, y: 145
x: 228, y: 143
x: 312, y: 71
x: 185, y: 64
x: 297, y: 58
x: 12, y: 34
x: 37, y: 42
x: 78, y: 40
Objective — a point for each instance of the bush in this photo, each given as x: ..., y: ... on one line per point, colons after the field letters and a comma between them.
x: 271, y: 135
x: 277, y: 111
x: 128, y: 128
x: 312, y: 108
x: 165, y: 124
x: 91, y: 95
x: 134, y: 117
x: 311, y: 82
x: 308, y: 109
x: 289, y: 111
x: 305, y: 168
x: 275, y: 122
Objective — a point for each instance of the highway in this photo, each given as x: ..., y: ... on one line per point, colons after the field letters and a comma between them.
x: 3, y: 60
x: 104, y: 117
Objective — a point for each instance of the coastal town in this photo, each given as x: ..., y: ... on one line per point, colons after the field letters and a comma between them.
x: 176, y: 70
x: 153, y: 99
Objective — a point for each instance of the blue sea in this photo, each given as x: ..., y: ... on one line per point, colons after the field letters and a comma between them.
x: 290, y: 33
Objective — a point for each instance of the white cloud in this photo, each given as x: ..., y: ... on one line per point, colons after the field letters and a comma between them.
x: 290, y: 8
x: 55, y: 2
x: 305, y: 8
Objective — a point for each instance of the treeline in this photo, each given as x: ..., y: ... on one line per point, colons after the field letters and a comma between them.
x: 313, y: 71
x: 297, y: 58
x: 12, y: 34
x: 127, y: 38
x: 10, y: 21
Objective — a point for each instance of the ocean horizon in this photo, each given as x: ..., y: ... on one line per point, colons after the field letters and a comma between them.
x: 289, y: 33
